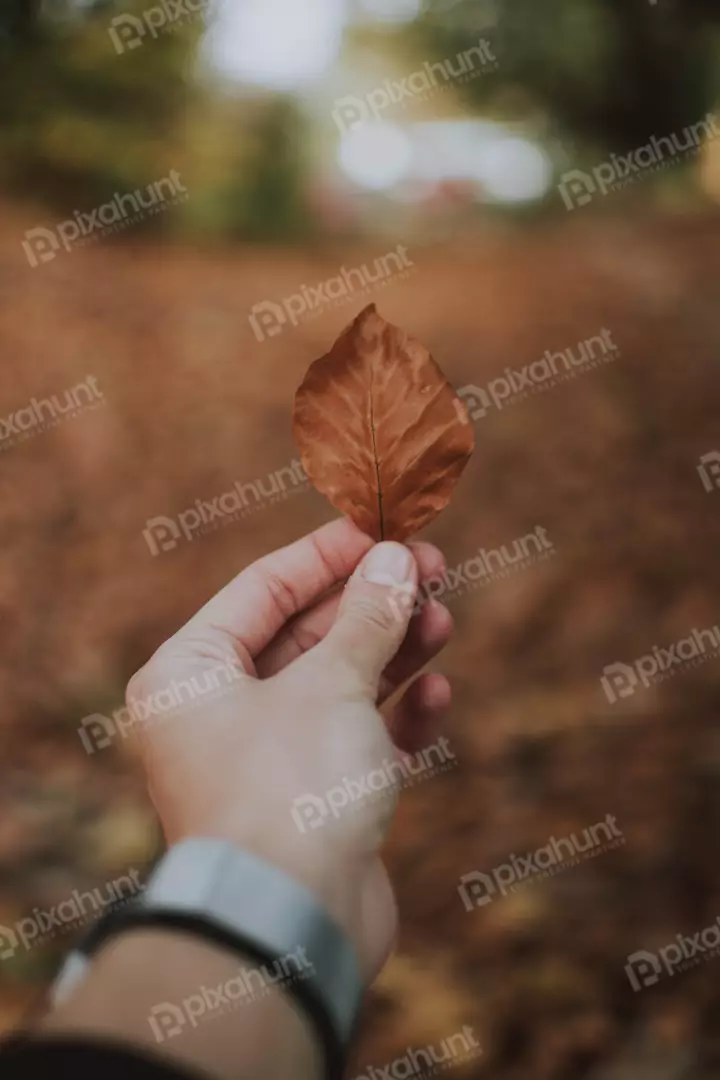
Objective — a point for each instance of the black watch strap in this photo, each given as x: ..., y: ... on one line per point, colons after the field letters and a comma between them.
x: 213, y: 890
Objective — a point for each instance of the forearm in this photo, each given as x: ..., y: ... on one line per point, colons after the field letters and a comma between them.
x: 135, y: 977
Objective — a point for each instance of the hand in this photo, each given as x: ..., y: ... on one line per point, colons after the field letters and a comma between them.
x: 295, y: 669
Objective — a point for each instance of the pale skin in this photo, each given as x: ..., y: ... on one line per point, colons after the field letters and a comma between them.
x: 318, y: 660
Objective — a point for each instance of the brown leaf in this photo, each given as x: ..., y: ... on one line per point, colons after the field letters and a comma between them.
x: 380, y: 430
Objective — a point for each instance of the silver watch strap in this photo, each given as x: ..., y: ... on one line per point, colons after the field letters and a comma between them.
x: 217, y: 890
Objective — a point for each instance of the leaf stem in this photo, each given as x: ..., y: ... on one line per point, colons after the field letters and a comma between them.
x: 377, y: 463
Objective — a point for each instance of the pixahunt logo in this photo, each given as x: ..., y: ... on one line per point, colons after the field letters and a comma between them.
x: 268, y: 318
x: 168, y: 1020
x: 477, y: 572
x: 350, y: 112
x: 477, y: 888
x: 517, y: 384
x: 578, y: 188
x: 129, y: 31
x: 622, y: 680
x: 40, y: 415
x: 70, y: 914
x: 238, y: 502
x: 97, y: 732
x: 312, y: 811
x: 709, y: 470
x: 427, y: 1060
x: 645, y: 968
x: 42, y: 245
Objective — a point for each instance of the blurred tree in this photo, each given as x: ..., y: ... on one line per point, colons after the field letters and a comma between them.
x: 247, y: 168
x: 80, y: 120
x: 86, y: 112
x: 17, y: 19
x: 614, y: 72
x: 274, y: 206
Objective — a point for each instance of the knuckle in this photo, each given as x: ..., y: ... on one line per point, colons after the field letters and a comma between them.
x: 283, y: 595
x: 376, y: 614
x: 305, y: 637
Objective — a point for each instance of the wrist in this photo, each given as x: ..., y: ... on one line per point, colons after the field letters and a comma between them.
x: 332, y: 875
x: 211, y: 889
x: 145, y: 978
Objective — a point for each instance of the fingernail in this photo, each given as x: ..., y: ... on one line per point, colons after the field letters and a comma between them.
x: 388, y: 564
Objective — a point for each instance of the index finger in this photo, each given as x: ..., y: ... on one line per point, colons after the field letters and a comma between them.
x: 256, y: 604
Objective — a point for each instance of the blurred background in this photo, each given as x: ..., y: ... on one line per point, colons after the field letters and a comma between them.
x: 195, y: 198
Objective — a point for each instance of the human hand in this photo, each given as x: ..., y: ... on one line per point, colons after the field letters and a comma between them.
x: 309, y: 664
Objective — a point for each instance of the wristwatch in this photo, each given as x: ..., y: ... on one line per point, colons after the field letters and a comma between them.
x: 214, y: 890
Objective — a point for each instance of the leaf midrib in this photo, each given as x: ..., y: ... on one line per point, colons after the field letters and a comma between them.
x: 375, y: 459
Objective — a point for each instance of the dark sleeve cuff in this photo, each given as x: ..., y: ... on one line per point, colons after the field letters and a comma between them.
x: 84, y: 1058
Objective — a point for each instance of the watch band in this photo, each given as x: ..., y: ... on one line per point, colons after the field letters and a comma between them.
x: 214, y: 890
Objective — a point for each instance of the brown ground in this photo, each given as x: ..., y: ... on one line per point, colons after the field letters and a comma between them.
x: 606, y: 463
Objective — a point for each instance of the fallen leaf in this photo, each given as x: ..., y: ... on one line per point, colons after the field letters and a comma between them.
x: 380, y: 430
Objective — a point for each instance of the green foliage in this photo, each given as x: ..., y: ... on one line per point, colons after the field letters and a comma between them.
x: 79, y: 122
x: 272, y: 198
x: 611, y: 72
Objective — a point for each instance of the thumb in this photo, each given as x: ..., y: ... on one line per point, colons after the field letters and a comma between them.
x: 375, y: 612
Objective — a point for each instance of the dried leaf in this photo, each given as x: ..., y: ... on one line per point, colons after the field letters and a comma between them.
x: 380, y: 430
